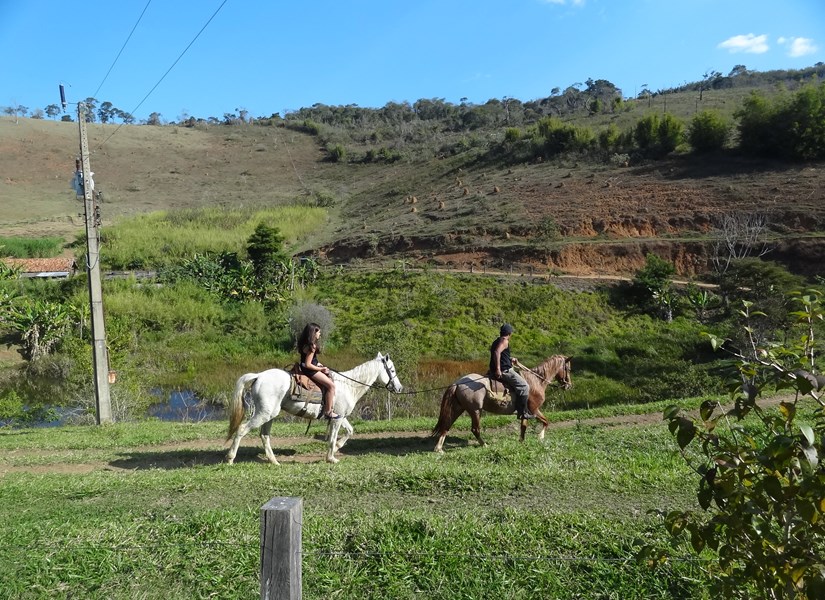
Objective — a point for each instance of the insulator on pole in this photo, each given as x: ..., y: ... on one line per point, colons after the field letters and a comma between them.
x: 63, y: 97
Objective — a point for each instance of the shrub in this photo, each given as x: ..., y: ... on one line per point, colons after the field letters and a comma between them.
x: 609, y: 137
x: 337, y: 153
x: 670, y: 133
x: 512, y: 134
x: 789, y: 127
x: 265, y: 249
x: 708, y: 132
x: 309, y: 312
x: 646, y: 132
x: 760, y: 477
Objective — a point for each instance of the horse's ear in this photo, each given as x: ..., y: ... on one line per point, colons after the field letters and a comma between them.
x: 379, y: 357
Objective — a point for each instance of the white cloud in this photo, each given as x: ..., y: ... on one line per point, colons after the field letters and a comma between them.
x: 752, y: 44
x: 798, y: 46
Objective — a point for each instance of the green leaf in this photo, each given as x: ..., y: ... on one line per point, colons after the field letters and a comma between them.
x: 696, y: 539
x: 773, y: 488
x: 807, y: 511
x: 670, y: 412
x: 811, y: 456
x: 705, y: 496
x: 808, y: 434
x: 687, y: 431
x: 707, y: 408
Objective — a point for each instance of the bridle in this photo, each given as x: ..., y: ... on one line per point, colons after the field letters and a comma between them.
x: 564, y: 372
x: 391, y: 375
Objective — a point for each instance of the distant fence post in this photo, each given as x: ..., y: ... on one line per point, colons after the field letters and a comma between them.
x: 281, y: 520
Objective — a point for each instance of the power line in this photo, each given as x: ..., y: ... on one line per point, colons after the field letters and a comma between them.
x: 149, y: 93
x: 121, y: 49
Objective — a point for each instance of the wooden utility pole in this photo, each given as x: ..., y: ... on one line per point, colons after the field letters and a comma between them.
x: 100, y: 353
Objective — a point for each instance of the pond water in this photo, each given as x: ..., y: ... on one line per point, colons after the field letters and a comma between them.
x: 182, y: 406
x: 185, y: 407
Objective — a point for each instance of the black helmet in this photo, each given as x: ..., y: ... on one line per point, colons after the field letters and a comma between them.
x: 506, y: 329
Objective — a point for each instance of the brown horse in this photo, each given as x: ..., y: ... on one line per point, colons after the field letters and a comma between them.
x: 472, y: 393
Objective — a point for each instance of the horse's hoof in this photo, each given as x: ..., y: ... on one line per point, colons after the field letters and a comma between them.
x: 229, y: 461
x: 439, y: 450
x: 332, y: 460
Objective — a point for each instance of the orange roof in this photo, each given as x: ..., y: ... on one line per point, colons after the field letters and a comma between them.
x: 41, y: 265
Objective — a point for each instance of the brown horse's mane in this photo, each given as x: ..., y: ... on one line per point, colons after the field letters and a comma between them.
x: 547, y: 370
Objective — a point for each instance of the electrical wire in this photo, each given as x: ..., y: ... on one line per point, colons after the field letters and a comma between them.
x: 121, y: 49
x: 149, y: 93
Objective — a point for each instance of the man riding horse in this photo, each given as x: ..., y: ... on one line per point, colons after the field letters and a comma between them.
x: 501, y: 369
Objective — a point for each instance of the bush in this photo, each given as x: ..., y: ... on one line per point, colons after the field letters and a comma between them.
x: 646, y: 132
x: 789, y: 127
x: 512, y: 134
x: 759, y: 471
x: 708, y: 132
x: 670, y: 133
x: 309, y: 312
x: 609, y: 137
x: 337, y: 153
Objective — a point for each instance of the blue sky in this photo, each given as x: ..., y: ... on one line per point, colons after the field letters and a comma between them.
x: 268, y: 56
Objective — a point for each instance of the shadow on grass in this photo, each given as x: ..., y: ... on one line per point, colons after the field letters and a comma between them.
x: 186, y: 459
x: 356, y: 446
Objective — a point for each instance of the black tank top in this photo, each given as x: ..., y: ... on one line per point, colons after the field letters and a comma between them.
x: 304, y: 357
x: 505, y: 361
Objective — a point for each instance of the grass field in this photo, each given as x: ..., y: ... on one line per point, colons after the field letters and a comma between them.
x: 149, y: 511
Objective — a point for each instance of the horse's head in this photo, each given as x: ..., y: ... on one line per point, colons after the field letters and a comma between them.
x: 387, y: 374
x: 563, y: 374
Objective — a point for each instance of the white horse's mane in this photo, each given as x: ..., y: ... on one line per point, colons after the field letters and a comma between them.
x: 360, y: 375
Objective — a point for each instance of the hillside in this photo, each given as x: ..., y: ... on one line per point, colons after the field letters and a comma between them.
x: 433, y: 206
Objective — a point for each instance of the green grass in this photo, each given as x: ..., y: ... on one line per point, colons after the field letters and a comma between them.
x: 162, y: 238
x: 392, y: 520
x: 24, y: 247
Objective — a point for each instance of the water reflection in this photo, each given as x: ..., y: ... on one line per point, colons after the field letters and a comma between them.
x: 184, y: 406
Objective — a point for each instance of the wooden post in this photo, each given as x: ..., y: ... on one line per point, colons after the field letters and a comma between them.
x: 281, y: 520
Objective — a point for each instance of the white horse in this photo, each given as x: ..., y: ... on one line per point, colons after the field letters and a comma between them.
x: 271, y: 394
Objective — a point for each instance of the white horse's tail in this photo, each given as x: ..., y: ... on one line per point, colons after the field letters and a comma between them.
x: 236, y: 407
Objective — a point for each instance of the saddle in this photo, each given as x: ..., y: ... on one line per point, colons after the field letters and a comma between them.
x: 497, y: 392
x: 303, y: 389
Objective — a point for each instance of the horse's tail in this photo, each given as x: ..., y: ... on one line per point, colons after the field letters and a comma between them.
x: 448, y: 406
x: 236, y: 406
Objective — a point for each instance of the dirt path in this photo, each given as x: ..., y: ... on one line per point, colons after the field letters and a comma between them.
x: 211, y: 451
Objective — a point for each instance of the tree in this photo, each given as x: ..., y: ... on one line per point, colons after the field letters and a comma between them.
x: 91, y: 107
x: 761, y: 482
x: 106, y: 112
x: 265, y: 250
x: 708, y: 132
x: 765, y: 284
x: 154, y: 119
x: 738, y: 236
x: 652, y: 286
x: 646, y: 132
x: 670, y: 133
x: 52, y: 110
